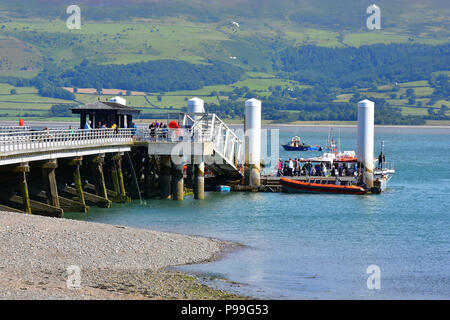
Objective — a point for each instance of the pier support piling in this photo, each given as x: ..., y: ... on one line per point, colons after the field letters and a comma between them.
x: 117, y: 177
x: 177, y: 182
x: 252, y: 140
x: 199, y: 181
x: 149, y: 175
x: 69, y: 205
x: 77, y: 179
x: 190, y: 173
x: 90, y: 198
x: 24, y: 192
x: 164, y: 177
x: 99, y: 178
x: 49, y: 179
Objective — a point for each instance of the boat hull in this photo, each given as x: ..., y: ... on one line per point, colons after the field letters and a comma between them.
x: 301, y: 148
x: 293, y: 186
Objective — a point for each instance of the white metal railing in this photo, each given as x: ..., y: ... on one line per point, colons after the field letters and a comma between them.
x: 226, y: 143
x: 194, y: 128
x: 29, y: 141
x: 200, y: 127
x: 171, y: 135
x: 5, y: 129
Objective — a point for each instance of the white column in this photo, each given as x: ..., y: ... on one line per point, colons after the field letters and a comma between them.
x: 252, y: 142
x: 196, y: 105
x: 366, y: 110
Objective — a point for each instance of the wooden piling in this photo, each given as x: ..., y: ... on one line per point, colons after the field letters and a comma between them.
x: 117, y: 177
x: 49, y: 182
x: 90, y: 198
x: 76, y: 163
x: 24, y: 192
x: 99, y: 177
x: 78, y: 184
x: 164, y: 177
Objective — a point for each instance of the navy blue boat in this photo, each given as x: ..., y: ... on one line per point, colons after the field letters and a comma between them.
x: 296, y: 145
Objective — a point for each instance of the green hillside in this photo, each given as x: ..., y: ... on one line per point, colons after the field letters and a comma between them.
x: 38, y: 51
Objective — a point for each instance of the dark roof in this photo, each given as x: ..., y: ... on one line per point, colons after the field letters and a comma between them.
x: 103, y: 105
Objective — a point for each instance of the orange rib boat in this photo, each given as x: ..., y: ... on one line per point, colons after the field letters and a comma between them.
x: 294, y: 186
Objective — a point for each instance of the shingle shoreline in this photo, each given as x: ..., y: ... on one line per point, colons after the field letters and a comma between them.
x: 115, y: 262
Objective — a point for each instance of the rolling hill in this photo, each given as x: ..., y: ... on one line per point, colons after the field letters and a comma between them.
x: 34, y: 40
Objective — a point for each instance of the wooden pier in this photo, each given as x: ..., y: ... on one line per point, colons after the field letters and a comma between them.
x: 50, y: 172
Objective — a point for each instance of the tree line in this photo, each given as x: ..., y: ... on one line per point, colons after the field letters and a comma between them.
x: 283, y: 110
x: 362, y: 67
x: 150, y: 76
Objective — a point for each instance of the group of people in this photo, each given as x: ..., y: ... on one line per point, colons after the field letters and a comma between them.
x: 114, y: 128
x: 158, y: 128
x: 100, y: 125
x: 294, y: 167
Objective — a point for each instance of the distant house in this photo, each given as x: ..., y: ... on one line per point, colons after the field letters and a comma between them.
x: 118, y: 100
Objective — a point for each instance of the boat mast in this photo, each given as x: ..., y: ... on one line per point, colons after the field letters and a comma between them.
x: 339, y: 141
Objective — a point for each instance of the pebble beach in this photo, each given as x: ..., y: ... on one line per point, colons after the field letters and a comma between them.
x: 115, y: 262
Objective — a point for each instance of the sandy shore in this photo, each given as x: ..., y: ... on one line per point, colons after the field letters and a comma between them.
x: 115, y: 262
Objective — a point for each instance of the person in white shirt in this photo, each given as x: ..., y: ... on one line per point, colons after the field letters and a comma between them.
x: 291, y: 167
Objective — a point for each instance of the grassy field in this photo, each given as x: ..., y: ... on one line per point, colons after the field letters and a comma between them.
x: 28, y: 102
x: 135, y: 40
x: 24, y: 43
x: 422, y: 91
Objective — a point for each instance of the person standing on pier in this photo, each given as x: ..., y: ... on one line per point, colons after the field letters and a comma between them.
x: 114, y: 128
x: 280, y: 168
x: 381, y: 159
x: 296, y: 167
x: 133, y: 130
x: 87, y: 126
x: 291, y: 167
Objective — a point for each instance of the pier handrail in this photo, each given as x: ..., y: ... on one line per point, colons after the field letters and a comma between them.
x: 170, y: 135
x: 226, y: 142
x: 200, y: 127
x: 54, y: 139
x: 4, y: 129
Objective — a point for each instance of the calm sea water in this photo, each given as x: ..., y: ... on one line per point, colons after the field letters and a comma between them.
x: 319, y: 246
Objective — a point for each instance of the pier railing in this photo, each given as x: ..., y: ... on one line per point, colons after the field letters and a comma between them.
x: 29, y: 141
x: 200, y: 127
x: 226, y: 143
x: 6, y: 129
x: 170, y: 135
x: 203, y: 127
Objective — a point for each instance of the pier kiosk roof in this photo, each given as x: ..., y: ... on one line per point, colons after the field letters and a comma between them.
x: 107, y: 113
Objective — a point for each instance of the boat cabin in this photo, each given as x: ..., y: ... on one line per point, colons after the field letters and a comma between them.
x: 295, y: 142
